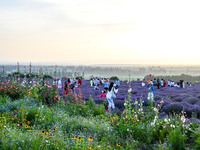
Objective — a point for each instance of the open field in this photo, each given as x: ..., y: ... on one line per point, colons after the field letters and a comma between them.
x: 40, y: 116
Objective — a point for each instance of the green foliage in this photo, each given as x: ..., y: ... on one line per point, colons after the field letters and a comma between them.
x: 78, y: 110
x: 9, y: 75
x: 114, y: 78
x: 91, y: 103
x: 31, y: 75
x: 4, y: 99
x: 18, y: 74
x: 80, y: 77
x: 197, y: 146
x: 138, y: 79
x: 46, y: 76
x: 177, y: 139
x: 98, y: 110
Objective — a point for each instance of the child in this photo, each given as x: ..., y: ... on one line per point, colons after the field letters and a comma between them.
x: 151, y: 92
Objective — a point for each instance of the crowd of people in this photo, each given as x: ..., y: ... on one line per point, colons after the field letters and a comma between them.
x: 69, y: 83
x: 170, y: 83
x: 161, y: 84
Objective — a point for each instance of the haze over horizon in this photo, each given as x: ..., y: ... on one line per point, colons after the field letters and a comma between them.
x: 100, y: 32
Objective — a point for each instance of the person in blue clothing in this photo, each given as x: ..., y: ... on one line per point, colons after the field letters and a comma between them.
x: 151, y: 92
x: 73, y: 85
x: 106, y: 83
x: 117, y: 82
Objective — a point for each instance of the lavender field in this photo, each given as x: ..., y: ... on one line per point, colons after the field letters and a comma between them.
x: 175, y: 99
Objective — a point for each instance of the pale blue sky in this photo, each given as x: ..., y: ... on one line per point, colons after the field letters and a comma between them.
x: 100, y: 31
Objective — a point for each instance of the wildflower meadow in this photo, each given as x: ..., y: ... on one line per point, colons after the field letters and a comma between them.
x: 35, y: 114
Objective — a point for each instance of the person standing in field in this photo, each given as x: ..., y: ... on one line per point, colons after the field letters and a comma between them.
x: 143, y: 82
x: 183, y: 84
x: 66, y: 87
x: 117, y: 82
x: 55, y: 82
x: 111, y: 95
x: 172, y: 83
x: 80, y: 82
x: 158, y: 83
x: 161, y: 83
x: 59, y: 84
x: 106, y: 83
x: 169, y: 83
x: 155, y: 82
x: 151, y: 92
x: 68, y: 81
x: 91, y: 82
x: 164, y: 84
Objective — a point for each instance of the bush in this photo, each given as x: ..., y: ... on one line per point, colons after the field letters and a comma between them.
x: 12, y: 90
x: 46, y: 76
x: 80, y: 77
x: 98, y: 110
x: 177, y: 99
x: 191, y: 100
x: 18, y: 74
x: 31, y: 75
x: 114, y: 78
x: 176, y: 107
x: 177, y: 139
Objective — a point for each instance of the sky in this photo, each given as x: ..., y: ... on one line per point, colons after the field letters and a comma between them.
x: 100, y: 31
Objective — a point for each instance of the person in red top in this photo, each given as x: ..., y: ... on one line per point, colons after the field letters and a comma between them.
x: 79, y: 82
x: 164, y: 84
x: 103, y: 95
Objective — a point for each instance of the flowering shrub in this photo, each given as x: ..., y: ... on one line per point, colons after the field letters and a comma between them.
x: 47, y: 94
x: 11, y: 89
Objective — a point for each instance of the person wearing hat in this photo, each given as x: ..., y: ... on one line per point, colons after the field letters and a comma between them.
x: 151, y: 92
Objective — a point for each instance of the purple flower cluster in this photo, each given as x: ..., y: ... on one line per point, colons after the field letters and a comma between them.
x: 175, y: 99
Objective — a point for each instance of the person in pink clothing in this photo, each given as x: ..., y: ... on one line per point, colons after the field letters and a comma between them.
x: 103, y: 95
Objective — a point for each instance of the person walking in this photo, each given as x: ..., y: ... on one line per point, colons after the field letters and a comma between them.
x: 111, y: 95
